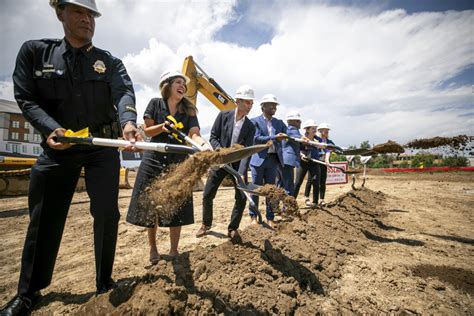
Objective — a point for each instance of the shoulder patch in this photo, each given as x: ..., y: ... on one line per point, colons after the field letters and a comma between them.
x: 130, y: 109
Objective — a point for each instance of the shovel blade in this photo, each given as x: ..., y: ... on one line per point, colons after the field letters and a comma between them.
x: 250, y: 188
x: 359, y: 151
x: 242, y: 153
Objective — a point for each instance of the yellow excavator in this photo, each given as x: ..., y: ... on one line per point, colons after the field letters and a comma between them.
x: 15, y: 171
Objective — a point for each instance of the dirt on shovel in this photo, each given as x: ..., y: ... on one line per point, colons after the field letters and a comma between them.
x: 456, y: 142
x: 388, y: 147
x: 168, y: 192
x: 275, y: 195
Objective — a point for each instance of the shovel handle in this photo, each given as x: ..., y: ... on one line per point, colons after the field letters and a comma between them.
x: 118, y: 143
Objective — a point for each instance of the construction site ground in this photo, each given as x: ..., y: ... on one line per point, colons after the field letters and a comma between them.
x: 404, y: 244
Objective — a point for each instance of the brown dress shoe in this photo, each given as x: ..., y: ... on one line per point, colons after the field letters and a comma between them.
x: 202, y: 231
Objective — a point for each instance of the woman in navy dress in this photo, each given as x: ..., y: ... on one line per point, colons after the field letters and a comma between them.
x: 157, y: 116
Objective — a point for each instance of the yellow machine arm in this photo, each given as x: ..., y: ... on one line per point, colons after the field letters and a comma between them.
x: 200, y: 81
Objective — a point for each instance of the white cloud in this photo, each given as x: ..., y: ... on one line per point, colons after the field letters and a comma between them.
x: 6, y: 90
x: 372, y: 75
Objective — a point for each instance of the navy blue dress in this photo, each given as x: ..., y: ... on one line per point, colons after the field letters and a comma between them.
x: 153, y: 164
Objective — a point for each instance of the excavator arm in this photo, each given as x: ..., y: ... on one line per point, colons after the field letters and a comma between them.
x: 201, y: 82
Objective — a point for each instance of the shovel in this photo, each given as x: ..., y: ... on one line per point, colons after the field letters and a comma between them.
x: 106, y: 142
x: 159, y: 147
x: 246, y: 189
x: 359, y: 151
x: 232, y: 157
x: 316, y: 144
x: 331, y: 166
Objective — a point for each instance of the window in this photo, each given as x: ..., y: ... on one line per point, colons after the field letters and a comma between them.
x: 25, y: 137
x: 36, y: 138
x: 16, y: 148
x: 9, y: 147
x: 27, y: 124
x: 15, y: 135
x: 15, y: 124
x: 24, y: 149
x: 37, y: 150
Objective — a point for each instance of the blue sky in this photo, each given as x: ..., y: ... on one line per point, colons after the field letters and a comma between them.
x: 374, y: 70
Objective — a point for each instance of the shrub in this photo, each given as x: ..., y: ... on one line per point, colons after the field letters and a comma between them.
x: 422, y: 159
x: 455, y: 162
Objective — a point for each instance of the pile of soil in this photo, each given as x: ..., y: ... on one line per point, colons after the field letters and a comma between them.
x: 388, y: 147
x: 458, y: 142
x: 292, y: 270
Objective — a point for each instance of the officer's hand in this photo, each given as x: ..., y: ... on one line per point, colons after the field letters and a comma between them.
x: 54, y: 144
x: 132, y: 134
x: 281, y: 136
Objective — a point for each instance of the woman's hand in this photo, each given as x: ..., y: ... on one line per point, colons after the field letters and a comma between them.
x: 152, y: 129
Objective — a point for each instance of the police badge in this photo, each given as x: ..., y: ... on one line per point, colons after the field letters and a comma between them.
x: 99, y: 66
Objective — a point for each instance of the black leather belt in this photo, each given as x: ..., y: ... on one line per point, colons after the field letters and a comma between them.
x: 111, y: 130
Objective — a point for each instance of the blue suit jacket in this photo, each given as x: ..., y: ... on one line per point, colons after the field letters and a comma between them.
x: 291, y: 150
x: 262, y: 136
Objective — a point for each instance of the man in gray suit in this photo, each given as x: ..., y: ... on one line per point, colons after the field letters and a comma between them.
x: 230, y: 127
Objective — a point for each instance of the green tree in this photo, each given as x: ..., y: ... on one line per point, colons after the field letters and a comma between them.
x: 365, y: 144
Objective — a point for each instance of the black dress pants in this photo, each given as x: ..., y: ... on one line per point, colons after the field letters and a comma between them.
x: 52, y: 184
x: 322, y: 182
x: 313, y: 179
x: 215, y: 178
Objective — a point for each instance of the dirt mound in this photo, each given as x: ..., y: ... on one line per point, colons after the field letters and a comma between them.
x: 459, y: 278
x: 291, y: 270
x: 388, y: 147
x: 457, y: 142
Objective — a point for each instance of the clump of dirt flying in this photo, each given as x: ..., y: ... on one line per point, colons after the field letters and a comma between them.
x: 169, y: 191
x: 275, y: 195
x: 456, y: 142
x: 295, y: 270
x: 388, y: 147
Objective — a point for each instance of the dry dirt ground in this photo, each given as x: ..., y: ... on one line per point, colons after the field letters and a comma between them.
x: 403, y: 244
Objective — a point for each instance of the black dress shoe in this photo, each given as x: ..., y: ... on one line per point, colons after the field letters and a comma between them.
x: 20, y: 305
x: 234, y: 236
x: 105, y: 287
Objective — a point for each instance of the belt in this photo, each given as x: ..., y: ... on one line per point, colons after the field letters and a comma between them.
x: 111, y: 130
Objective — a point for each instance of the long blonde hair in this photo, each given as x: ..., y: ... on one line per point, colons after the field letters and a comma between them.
x: 184, y: 106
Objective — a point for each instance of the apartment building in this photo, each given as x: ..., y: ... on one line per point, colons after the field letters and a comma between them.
x: 17, y: 136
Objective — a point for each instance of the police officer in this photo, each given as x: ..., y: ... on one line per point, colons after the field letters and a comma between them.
x: 70, y: 84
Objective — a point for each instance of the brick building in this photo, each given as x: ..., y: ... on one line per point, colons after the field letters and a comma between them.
x: 17, y: 136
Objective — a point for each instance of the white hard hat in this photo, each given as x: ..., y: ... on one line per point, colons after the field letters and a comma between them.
x: 245, y: 92
x: 269, y: 98
x: 293, y: 115
x: 172, y: 74
x: 309, y: 123
x: 323, y: 125
x: 88, y: 4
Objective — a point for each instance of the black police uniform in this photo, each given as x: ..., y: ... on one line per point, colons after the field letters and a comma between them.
x: 58, y: 86
x: 140, y: 211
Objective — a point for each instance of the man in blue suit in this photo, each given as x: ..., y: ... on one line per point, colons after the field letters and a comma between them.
x: 263, y: 165
x: 291, y: 152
